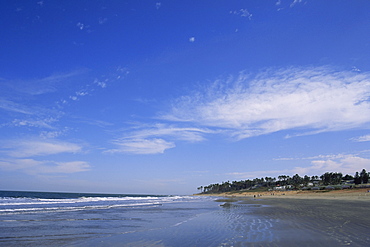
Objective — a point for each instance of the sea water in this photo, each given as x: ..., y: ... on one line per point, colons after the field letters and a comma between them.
x: 78, y: 219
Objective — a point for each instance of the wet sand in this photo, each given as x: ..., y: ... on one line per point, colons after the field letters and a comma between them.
x: 336, y: 218
x: 320, y: 222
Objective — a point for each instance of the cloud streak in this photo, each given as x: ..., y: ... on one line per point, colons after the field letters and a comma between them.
x: 142, y: 146
x: 35, y: 167
x: 44, y: 85
x: 295, y: 2
x: 242, y: 13
x: 365, y: 138
x: 156, y: 138
x: 307, y: 100
x: 28, y: 155
x: 11, y: 106
x: 26, y: 104
x: 30, y: 148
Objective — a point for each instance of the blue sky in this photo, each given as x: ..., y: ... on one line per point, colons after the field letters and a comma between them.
x: 161, y: 97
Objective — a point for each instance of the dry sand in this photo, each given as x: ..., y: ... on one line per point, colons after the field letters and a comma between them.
x: 348, y: 194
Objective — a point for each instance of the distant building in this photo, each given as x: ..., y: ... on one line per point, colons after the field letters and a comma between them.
x: 352, y: 181
x: 285, y: 187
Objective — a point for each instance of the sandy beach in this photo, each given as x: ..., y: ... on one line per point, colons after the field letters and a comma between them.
x: 332, y: 218
x: 348, y: 194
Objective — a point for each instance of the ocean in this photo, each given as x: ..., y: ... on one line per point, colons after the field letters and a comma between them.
x: 81, y: 219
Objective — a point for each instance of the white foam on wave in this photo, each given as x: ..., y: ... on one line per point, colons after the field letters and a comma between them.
x: 37, y: 201
x: 64, y: 209
x: 37, y: 205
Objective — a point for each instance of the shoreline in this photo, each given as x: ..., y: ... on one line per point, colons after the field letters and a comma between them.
x: 347, y: 194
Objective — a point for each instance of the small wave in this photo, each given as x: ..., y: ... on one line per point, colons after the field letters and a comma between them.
x: 37, y: 201
x: 28, y: 201
x: 77, y: 208
x: 18, y: 206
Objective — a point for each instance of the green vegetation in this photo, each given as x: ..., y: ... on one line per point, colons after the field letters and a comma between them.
x: 328, y: 181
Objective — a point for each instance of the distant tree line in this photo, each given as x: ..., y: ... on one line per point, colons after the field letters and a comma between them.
x: 283, y: 181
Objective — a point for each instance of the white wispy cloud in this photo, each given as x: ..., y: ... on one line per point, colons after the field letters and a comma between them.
x: 24, y: 104
x: 80, y: 25
x: 242, y: 13
x: 79, y: 94
x: 117, y: 74
x: 191, y: 134
x: 36, y: 167
x: 82, y: 93
x: 365, y: 138
x: 307, y: 100
x: 102, y: 84
x: 53, y: 134
x: 66, y: 167
x: 28, y: 156
x: 156, y: 138
x: 27, y: 114
x: 141, y: 146
x: 35, y: 122
x: 304, y: 100
x: 11, y: 106
x: 295, y: 2
x: 44, y: 85
x: 34, y: 147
